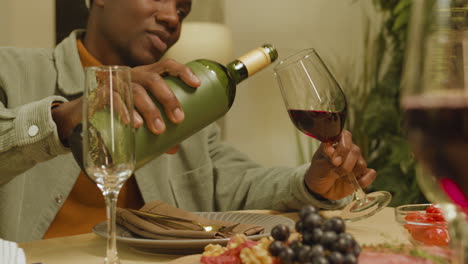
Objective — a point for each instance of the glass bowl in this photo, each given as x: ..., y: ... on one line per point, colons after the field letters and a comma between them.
x: 423, y: 224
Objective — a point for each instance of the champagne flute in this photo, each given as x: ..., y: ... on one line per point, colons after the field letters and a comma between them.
x: 108, y: 138
x: 435, y: 100
x: 317, y: 107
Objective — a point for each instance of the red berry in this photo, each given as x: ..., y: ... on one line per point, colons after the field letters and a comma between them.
x: 437, y: 236
x: 416, y: 217
x: 433, y: 209
x: 433, y: 217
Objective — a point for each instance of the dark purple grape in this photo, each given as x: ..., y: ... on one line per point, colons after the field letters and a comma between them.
x: 349, y: 259
x: 286, y: 256
x: 316, y: 251
x: 335, y: 258
x: 328, y: 239
x: 308, y: 209
x: 280, y: 232
x: 312, y: 221
x: 312, y: 237
x: 303, y: 254
x: 299, y: 226
x: 343, y: 245
x: 295, y: 246
x: 276, y: 247
x: 348, y: 236
x: 356, y: 250
x: 320, y: 260
x: 335, y: 224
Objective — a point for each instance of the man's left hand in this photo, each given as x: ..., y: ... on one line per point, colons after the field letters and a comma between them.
x: 332, y: 165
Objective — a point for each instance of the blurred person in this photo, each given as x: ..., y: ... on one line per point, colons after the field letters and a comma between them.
x: 44, y: 195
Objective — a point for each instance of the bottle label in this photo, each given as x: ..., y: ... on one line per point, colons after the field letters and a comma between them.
x: 255, y: 60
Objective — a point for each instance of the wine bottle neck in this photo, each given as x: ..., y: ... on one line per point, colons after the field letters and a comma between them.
x: 252, y: 62
x: 238, y: 71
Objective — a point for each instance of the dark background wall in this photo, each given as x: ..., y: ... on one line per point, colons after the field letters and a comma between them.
x: 70, y: 15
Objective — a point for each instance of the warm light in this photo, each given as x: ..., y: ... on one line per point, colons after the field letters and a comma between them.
x: 203, y: 40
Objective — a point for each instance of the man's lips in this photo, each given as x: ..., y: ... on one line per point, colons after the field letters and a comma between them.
x: 158, y: 43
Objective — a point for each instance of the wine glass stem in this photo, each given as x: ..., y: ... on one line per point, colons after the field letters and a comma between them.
x: 359, y: 194
x: 111, y: 207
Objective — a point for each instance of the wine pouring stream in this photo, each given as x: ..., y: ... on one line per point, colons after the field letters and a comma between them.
x: 317, y: 107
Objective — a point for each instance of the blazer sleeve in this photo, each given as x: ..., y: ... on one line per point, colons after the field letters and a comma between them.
x: 244, y: 184
x: 28, y: 135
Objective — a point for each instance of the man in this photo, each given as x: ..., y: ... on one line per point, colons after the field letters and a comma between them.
x: 42, y: 192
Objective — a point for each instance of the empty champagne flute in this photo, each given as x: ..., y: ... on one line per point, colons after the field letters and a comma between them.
x: 317, y: 107
x: 108, y: 138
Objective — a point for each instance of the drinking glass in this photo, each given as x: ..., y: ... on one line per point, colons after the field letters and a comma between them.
x: 108, y: 138
x: 435, y: 101
x: 317, y: 107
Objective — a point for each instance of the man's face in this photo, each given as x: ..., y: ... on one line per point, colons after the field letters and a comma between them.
x: 141, y: 31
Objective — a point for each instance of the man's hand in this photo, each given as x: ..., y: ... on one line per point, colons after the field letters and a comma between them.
x: 149, y: 79
x: 328, y: 172
x: 146, y: 79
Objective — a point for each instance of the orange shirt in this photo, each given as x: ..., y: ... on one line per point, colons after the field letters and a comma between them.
x: 85, y: 206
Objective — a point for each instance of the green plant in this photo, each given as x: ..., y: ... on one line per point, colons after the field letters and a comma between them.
x: 376, y: 114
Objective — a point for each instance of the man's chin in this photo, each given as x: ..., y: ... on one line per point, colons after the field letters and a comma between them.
x: 143, y: 60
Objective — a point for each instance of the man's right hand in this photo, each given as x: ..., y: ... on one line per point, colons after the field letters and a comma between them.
x: 149, y: 79
x: 146, y: 79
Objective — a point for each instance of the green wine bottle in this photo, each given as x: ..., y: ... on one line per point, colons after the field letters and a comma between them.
x: 202, y: 106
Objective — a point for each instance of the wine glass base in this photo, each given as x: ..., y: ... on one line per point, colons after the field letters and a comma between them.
x: 115, y: 261
x: 357, y: 210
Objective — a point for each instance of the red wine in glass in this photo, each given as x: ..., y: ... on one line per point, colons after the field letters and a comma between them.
x: 435, y: 100
x: 322, y: 125
x: 317, y: 107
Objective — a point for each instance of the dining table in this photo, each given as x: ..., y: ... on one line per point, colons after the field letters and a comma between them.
x: 90, y: 248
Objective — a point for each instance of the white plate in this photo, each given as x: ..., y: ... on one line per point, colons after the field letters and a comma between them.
x: 185, y: 246
x: 10, y: 253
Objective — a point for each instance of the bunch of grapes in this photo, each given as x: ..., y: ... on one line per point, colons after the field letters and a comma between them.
x: 321, y: 241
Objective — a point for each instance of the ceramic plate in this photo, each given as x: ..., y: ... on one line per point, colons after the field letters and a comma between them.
x: 185, y: 246
x: 10, y: 253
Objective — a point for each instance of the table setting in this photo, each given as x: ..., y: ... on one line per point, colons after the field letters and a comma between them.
x: 381, y: 228
x: 365, y: 231
x: 175, y: 231
x: 380, y: 236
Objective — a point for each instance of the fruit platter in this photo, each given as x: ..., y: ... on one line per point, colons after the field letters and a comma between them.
x: 316, y: 239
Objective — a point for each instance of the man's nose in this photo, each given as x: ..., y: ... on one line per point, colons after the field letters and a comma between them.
x: 168, y: 16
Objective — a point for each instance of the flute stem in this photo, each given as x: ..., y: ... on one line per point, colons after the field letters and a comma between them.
x: 112, y: 256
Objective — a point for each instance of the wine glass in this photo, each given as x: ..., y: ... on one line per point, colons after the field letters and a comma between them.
x: 435, y: 101
x: 317, y: 107
x: 108, y: 138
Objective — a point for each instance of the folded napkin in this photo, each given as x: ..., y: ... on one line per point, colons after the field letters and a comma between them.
x: 173, y: 229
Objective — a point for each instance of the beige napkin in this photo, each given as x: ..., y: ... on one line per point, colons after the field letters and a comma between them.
x: 164, y: 229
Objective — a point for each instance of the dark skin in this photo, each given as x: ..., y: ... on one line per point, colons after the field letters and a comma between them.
x: 331, y: 165
x: 137, y: 33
